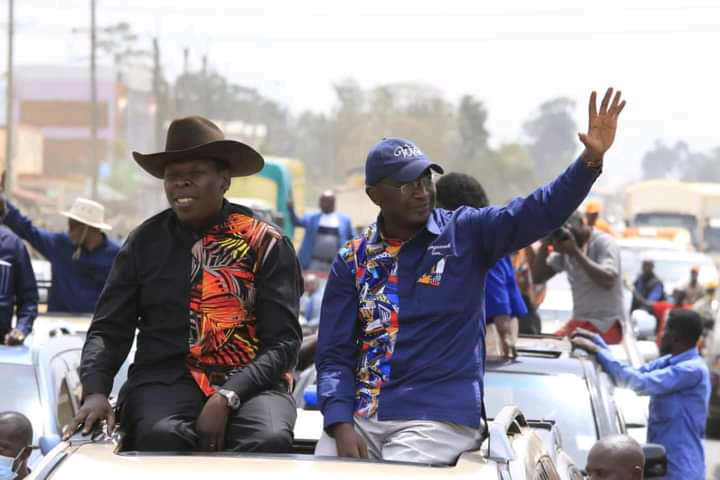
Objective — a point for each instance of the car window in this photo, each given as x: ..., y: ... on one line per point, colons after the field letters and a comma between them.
x: 65, y: 408
x: 20, y: 393
x: 563, y: 398
x: 545, y: 470
x: 66, y: 387
x: 72, y: 360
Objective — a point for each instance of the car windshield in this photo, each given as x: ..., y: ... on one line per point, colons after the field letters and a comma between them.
x: 19, y: 393
x: 668, y: 220
x: 711, y: 235
x: 563, y: 398
x: 678, y: 271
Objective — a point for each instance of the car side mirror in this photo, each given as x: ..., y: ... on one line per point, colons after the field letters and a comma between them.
x: 48, y: 442
x: 655, y: 460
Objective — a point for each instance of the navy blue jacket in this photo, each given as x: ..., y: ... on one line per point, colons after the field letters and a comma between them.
x: 76, y: 284
x: 402, y: 329
x: 18, y: 289
x: 311, y: 222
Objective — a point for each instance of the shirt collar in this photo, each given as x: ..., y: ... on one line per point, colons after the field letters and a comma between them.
x: 431, y: 226
x: 686, y: 355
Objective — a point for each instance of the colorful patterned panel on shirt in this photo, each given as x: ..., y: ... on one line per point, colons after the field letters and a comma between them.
x: 225, y: 261
x: 375, y: 268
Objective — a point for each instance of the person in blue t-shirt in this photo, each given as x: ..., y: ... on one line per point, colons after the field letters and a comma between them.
x: 503, y: 300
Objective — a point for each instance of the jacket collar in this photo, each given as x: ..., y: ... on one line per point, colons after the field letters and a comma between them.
x: 431, y: 226
x: 684, y: 356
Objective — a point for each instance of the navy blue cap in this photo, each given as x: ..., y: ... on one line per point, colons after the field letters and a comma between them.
x: 396, y: 158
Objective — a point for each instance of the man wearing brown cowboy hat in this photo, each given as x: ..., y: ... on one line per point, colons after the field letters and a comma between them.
x: 80, y: 258
x: 214, y: 293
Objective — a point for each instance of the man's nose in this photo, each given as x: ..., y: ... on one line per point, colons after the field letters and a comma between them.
x: 182, y: 181
x: 421, y: 191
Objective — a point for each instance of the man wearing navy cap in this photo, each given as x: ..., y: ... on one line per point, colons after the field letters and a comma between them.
x: 400, y: 355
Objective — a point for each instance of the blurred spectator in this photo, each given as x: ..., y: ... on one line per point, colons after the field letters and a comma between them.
x: 694, y: 291
x: 617, y: 457
x: 18, y: 289
x: 591, y: 260
x: 593, y: 208
x: 647, y: 289
x: 325, y: 232
x: 706, y: 306
x: 80, y: 258
x: 16, y: 435
x: 311, y: 301
x: 533, y: 293
x: 678, y: 384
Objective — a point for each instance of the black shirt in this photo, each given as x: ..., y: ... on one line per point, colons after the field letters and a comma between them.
x: 149, y: 289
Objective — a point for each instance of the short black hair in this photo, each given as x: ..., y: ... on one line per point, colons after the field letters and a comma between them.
x: 455, y: 190
x: 687, y: 325
x: 20, y: 422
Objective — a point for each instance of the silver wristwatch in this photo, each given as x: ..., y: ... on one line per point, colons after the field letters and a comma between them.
x: 231, y: 397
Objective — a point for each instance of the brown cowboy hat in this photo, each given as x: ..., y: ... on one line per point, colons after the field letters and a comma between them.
x: 197, y: 137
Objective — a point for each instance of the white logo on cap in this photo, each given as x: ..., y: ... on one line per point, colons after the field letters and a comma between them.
x: 407, y: 151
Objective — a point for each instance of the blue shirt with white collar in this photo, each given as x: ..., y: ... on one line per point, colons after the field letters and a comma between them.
x: 679, y: 390
x: 402, y: 327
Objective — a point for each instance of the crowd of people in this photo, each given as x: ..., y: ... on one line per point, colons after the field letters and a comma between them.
x: 215, y: 295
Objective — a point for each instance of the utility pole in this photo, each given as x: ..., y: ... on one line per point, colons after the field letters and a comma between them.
x: 10, y: 97
x: 93, y: 104
x: 206, y: 87
x: 157, y: 94
x: 186, y: 60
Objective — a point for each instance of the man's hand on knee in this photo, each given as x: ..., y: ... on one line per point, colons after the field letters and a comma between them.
x: 349, y: 443
x: 96, y: 407
x: 211, y: 424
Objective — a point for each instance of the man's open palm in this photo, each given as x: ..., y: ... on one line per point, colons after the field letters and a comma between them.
x: 601, y: 124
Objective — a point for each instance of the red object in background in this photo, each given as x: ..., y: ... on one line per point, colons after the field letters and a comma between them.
x: 661, y: 311
x: 612, y: 337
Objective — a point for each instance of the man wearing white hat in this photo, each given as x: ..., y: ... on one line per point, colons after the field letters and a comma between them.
x: 80, y: 258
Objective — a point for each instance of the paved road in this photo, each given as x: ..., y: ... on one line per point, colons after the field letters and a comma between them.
x: 712, y: 458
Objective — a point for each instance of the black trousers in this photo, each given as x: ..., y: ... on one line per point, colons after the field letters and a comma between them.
x: 161, y: 417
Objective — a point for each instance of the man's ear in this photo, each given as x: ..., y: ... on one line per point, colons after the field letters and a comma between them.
x: 637, y: 473
x: 373, y: 194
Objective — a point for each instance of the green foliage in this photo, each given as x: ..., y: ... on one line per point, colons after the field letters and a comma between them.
x: 553, y: 136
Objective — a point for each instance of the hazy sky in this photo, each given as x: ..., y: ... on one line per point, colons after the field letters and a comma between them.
x: 512, y: 54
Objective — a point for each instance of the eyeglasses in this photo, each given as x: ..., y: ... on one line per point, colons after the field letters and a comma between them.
x: 425, y: 182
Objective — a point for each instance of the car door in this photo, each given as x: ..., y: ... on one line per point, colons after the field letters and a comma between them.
x: 66, y: 382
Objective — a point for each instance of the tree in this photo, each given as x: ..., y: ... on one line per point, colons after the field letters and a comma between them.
x: 702, y: 167
x: 504, y: 173
x: 663, y: 161
x: 472, y: 116
x: 553, y: 136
